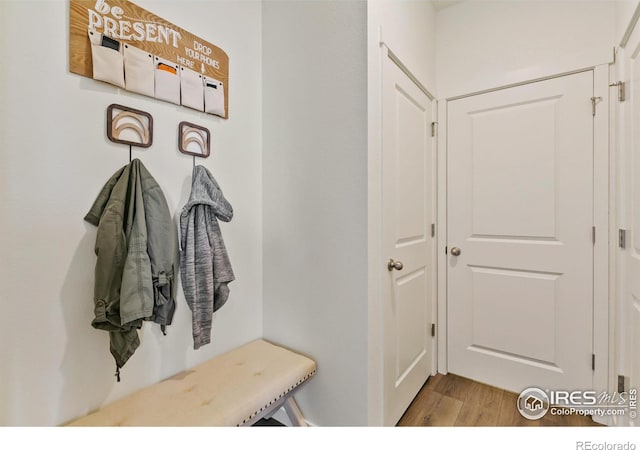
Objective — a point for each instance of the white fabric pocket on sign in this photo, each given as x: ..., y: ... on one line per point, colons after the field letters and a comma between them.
x: 167, y: 80
x: 138, y: 71
x: 191, y: 89
x: 214, y: 96
x: 107, y: 59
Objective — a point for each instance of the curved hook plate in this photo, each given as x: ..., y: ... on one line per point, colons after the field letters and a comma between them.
x: 190, y: 133
x: 115, y: 125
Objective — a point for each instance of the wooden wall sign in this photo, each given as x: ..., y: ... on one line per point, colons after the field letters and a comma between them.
x: 123, y: 44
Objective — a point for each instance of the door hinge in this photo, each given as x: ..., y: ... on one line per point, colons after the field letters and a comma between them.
x: 433, y: 128
x: 594, y: 101
x: 620, y: 384
x: 622, y: 238
x: 621, y: 90
x: 433, y: 230
x: 593, y: 361
x: 433, y: 330
x: 593, y: 235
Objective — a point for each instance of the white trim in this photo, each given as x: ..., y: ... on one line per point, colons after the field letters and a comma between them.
x: 630, y: 27
x: 375, y: 416
x: 407, y: 72
x: 614, y: 254
x: 616, y: 139
x: 398, y: 53
x: 442, y: 237
x: 601, y: 165
x: 522, y: 83
x: 434, y: 261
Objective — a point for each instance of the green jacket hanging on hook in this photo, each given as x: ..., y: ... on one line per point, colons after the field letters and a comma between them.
x: 136, y: 247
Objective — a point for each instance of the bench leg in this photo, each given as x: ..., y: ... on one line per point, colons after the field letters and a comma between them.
x: 294, y: 413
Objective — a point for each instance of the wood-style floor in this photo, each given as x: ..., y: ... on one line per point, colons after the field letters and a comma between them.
x: 450, y: 400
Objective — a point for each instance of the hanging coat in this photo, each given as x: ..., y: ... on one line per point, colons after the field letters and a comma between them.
x: 135, y: 248
x: 205, y: 269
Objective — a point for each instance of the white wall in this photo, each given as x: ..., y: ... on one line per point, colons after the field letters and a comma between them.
x: 408, y: 30
x: 315, y: 198
x: 492, y: 43
x: 54, y: 159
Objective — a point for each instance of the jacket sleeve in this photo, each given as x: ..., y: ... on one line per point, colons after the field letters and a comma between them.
x: 110, y: 248
x: 111, y: 251
x: 99, y: 205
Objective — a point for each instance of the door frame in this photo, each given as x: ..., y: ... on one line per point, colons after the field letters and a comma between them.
x: 621, y: 142
x: 604, y: 245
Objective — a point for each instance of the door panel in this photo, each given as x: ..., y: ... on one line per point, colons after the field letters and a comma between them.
x: 411, y: 292
x: 407, y: 198
x: 520, y: 209
x: 511, y: 293
x: 519, y: 199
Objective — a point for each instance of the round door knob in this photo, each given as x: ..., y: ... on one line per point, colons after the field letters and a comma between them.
x: 455, y: 251
x: 394, y: 265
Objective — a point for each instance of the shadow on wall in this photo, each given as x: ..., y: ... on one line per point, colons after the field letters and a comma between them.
x: 175, y: 346
x: 182, y: 317
x: 87, y: 366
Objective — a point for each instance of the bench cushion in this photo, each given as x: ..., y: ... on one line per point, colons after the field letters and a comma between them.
x: 228, y: 390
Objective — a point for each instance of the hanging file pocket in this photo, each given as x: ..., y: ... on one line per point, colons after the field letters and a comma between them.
x: 214, y: 96
x: 191, y: 89
x: 138, y: 71
x: 107, y: 59
x: 167, y: 81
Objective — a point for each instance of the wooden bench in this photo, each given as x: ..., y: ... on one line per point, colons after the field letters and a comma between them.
x: 237, y: 388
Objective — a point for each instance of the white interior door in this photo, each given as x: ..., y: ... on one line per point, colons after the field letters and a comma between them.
x: 407, y: 197
x: 520, y: 214
x: 629, y: 320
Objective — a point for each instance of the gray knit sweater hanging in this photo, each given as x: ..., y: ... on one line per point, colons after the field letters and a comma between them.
x: 205, y: 269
